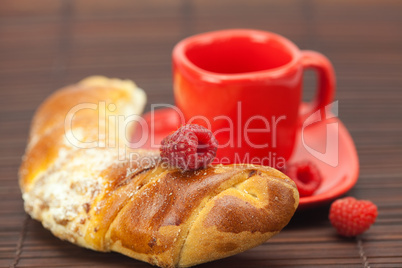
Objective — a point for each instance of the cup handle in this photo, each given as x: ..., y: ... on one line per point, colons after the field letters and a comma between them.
x: 326, y: 82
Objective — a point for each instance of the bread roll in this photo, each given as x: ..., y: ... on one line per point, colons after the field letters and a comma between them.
x: 81, y: 180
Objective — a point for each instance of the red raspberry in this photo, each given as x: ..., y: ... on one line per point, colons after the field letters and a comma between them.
x: 306, y: 176
x: 191, y: 147
x: 351, y: 217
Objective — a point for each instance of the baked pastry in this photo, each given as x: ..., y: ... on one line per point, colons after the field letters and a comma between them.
x: 81, y: 180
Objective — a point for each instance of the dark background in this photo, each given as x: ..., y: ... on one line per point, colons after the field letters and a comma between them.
x: 46, y: 44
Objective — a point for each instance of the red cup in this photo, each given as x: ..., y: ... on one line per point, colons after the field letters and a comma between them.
x: 246, y: 86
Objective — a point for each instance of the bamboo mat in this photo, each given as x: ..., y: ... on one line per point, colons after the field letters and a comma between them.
x: 45, y: 44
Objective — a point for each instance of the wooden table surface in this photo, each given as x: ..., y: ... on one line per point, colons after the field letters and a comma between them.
x: 46, y: 44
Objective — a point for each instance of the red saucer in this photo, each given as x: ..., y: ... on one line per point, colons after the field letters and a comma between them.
x: 338, y: 163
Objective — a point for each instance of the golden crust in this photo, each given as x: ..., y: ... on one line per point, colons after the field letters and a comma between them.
x: 186, y: 219
x: 135, y: 206
x: 86, y: 108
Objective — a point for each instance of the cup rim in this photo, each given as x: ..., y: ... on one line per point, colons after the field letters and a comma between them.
x: 179, y: 55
